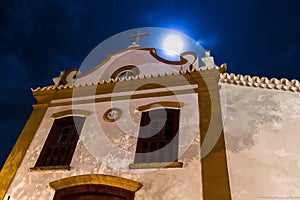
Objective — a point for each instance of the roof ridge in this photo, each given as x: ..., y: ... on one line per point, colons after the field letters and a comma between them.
x: 260, y: 82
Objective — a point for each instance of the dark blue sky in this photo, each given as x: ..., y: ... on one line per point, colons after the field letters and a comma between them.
x: 40, y: 38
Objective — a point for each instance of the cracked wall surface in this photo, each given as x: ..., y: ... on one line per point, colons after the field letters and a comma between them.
x: 262, y: 140
x: 109, y: 148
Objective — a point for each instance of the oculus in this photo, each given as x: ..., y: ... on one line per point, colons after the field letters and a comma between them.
x: 112, y: 114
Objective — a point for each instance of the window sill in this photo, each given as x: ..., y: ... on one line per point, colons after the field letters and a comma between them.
x: 156, y: 165
x: 49, y: 168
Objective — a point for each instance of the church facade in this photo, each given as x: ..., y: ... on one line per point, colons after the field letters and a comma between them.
x: 132, y: 128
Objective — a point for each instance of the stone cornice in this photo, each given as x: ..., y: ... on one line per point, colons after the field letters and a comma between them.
x: 242, y: 80
x: 115, y: 80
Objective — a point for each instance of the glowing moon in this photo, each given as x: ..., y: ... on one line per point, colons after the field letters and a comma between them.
x: 173, y: 43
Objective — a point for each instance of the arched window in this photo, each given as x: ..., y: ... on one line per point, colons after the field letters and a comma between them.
x: 61, y: 142
x: 126, y: 71
x: 158, y: 138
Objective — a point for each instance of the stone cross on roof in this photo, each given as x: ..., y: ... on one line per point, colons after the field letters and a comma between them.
x: 137, y: 37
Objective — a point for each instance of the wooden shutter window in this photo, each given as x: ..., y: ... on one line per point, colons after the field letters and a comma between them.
x: 158, y: 138
x: 61, y: 142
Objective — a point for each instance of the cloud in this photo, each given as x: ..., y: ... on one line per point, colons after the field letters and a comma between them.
x: 210, y: 41
x: 75, y: 8
x: 13, y: 70
x: 8, y: 125
x: 13, y: 74
x: 148, y: 16
x: 289, y: 54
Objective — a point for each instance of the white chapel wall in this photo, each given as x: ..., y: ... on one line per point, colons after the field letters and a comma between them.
x: 262, y: 139
x: 105, y: 148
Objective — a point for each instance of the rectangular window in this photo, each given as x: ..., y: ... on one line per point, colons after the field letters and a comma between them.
x: 158, y: 136
x: 61, y: 142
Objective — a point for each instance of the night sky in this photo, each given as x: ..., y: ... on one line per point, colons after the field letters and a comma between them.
x: 40, y: 38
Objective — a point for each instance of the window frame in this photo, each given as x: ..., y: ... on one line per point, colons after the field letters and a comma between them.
x: 56, y: 153
x: 163, y: 145
x: 95, y: 190
x: 135, y: 70
x: 96, y: 183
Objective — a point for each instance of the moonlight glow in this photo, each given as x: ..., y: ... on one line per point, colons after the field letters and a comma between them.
x: 173, y: 43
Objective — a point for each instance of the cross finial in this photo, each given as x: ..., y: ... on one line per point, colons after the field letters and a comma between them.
x: 137, y: 37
